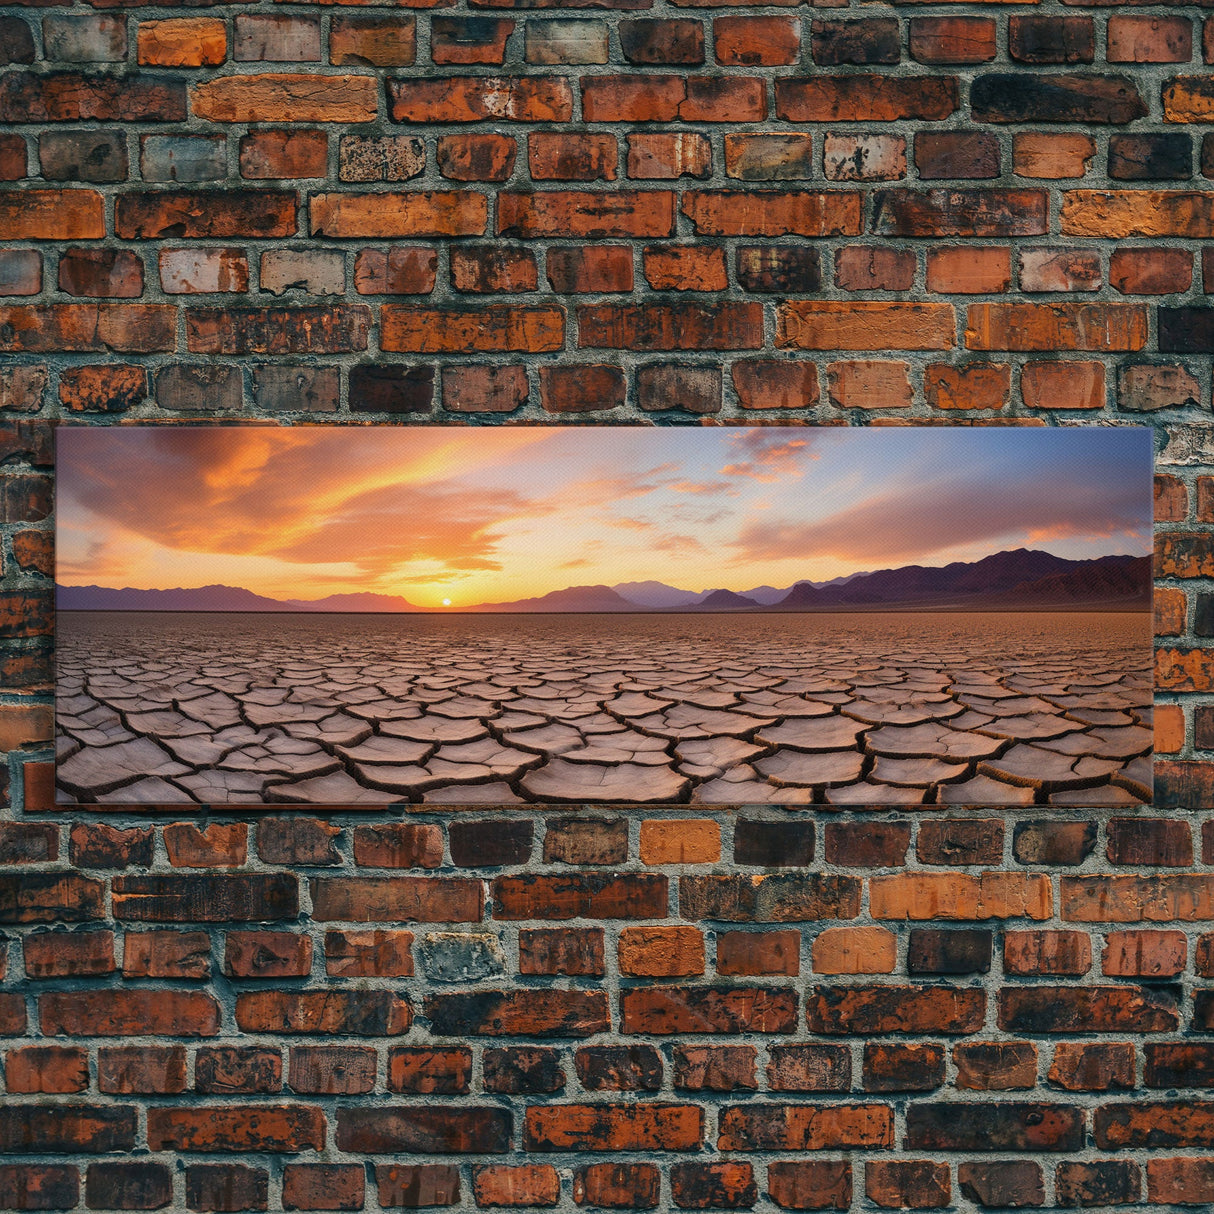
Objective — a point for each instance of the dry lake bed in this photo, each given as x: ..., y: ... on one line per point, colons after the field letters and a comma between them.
x: 778, y: 708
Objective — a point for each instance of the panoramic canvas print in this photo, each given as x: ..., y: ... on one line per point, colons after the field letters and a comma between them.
x: 792, y: 615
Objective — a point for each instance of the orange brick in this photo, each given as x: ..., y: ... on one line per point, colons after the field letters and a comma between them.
x: 1135, y: 954
x: 1051, y: 157
x: 680, y: 841
x: 182, y: 42
x: 989, y: 895
x: 1078, y: 385
x: 282, y: 97
x: 755, y: 953
x: 969, y: 270
x: 1169, y: 728
x: 871, y: 384
x: 855, y: 950
x: 686, y: 268
x: 661, y: 952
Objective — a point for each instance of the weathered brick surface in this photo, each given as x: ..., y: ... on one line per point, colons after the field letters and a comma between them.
x: 509, y: 211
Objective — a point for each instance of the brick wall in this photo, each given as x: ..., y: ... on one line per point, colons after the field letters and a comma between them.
x: 631, y: 211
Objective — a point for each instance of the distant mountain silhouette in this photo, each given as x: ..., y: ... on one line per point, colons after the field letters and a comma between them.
x: 725, y: 599
x: 1023, y: 578
x: 214, y: 598
x: 573, y: 598
x: 656, y: 594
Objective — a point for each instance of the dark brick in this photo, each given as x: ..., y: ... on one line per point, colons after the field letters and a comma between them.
x: 391, y: 388
x: 490, y: 843
x: 779, y: 269
x: 959, y: 951
x: 130, y: 1185
x: 1006, y: 97
x: 522, y: 1070
x: 1051, y: 39
x: 773, y: 844
x: 1150, y: 157
x: 872, y: 41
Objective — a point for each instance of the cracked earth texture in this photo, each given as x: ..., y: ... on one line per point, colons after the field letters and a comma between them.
x: 795, y: 709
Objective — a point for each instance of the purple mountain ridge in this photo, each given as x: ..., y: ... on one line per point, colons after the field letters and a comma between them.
x: 1022, y: 579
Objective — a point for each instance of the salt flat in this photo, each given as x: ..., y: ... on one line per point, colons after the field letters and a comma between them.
x: 778, y: 708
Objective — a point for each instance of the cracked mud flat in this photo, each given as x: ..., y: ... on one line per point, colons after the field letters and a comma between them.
x: 798, y: 709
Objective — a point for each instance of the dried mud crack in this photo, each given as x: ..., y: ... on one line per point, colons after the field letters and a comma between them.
x: 425, y: 715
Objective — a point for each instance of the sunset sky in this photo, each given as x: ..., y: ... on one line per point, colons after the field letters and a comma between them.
x: 491, y: 514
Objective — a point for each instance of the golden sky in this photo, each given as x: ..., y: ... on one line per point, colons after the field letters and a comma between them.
x: 493, y: 514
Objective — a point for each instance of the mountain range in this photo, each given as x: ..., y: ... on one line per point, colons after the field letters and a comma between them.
x: 1023, y: 579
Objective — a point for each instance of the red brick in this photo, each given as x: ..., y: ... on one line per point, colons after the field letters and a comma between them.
x: 493, y: 268
x: 874, y: 268
x: 590, y: 270
x: 762, y: 384
x: 558, y: 156
x: 656, y: 98
x: 48, y: 1068
x: 864, y: 97
x: 105, y: 327
x: 221, y: 844
x: 262, y: 954
x: 1149, y: 39
x: 1179, y: 1181
x: 469, y: 40
x: 666, y: 156
x: 365, y: 954
x: 399, y: 845
x: 613, y: 1127
x: 496, y: 1185
x: 335, y: 329
x: 690, y: 1009
x: 869, y: 384
x: 484, y: 389
x: 370, y: 1013
x: 894, y: 1009
x: 956, y: 154
x: 685, y: 268
x: 661, y: 952
x: 318, y: 1186
x: 480, y: 98
x: 1093, y: 1066
x: 619, y: 1068
x: 973, y: 386
x: 561, y: 951
x: 810, y: 1185
x: 656, y: 42
x: 430, y: 1071
x: 408, y: 1129
x: 581, y: 388
x: 166, y: 954
x: 809, y: 1068
x: 1149, y: 841
x: 401, y: 270
x: 804, y: 1127
x: 76, y: 97
x: 246, y: 1127
x: 969, y: 270
x: 756, y: 953
x: 907, y: 1184
x: 379, y: 41
x: 756, y: 41
x: 515, y: 1013
x: 1061, y: 326
x: 772, y: 213
x: 182, y: 42
x: 568, y: 213
x: 109, y: 388
x: 952, y: 39
x: 618, y: 1186
x: 60, y: 954
x: 280, y: 155
x: 226, y: 1187
x: 436, y: 213
x: 714, y: 1068
x: 724, y: 1185
x: 122, y: 1013
x: 1063, y: 385
x: 476, y: 157
x: 995, y: 1066
x: 142, y: 215
x: 678, y: 326
x: 332, y: 1070
x: 1151, y: 271
x: 416, y: 1185
x: 505, y: 327
x: 903, y: 1068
